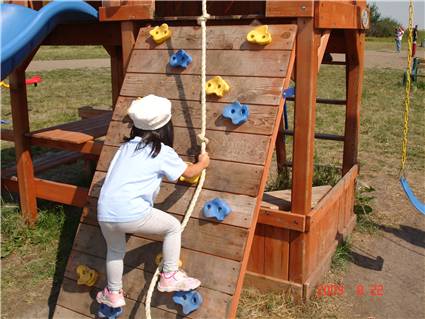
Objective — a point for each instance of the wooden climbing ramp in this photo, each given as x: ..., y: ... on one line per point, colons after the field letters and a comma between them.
x: 216, y: 253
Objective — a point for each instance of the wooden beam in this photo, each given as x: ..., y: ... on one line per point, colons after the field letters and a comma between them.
x: 108, y: 33
x: 340, y: 15
x: 294, y: 8
x: 19, y: 103
x: 324, y: 101
x: 354, y: 80
x: 128, y: 38
x: 282, y: 219
x: 303, y: 150
x: 117, y: 71
x: 89, y: 147
x: 52, y: 191
x: 322, y: 47
x: 7, y: 135
x: 144, y: 10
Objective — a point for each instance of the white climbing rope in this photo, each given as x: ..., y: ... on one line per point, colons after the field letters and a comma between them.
x: 203, y: 21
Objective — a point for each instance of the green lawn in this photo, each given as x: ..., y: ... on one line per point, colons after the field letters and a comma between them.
x: 33, y: 258
x: 55, y: 52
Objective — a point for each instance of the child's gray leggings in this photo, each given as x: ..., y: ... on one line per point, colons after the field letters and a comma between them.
x: 156, y: 223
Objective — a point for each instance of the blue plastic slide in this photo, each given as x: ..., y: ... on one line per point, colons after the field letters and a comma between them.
x: 23, y: 29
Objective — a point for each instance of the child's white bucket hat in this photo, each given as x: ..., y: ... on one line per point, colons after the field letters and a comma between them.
x: 150, y: 112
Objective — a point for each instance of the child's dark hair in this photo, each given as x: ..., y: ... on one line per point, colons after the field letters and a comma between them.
x: 153, y: 138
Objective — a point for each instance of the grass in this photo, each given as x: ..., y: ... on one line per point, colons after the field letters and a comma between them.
x: 32, y: 257
x: 55, y: 52
x: 388, y: 43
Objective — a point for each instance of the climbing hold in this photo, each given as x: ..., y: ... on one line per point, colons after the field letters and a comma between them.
x: 216, y: 208
x: 189, y: 300
x: 160, y: 33
x: 86, y: 275
x: 217, y: 86
x: 236, y: 112
x: 158, y: 260
x: 192, y: 180
x: 180, y: 59
x: 108, y: 312
x: 260, y: 35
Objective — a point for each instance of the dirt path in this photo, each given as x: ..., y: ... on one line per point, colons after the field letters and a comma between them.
x: 390, y: 264
x: 380, y: 59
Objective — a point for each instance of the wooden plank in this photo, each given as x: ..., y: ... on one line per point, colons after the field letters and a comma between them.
x: 244, y: 148
x: 321, y: 136
x: 267, y: 284
x: 187, y: 87
x: 242, y: 180
x: 175, y: 199
x: 354, y: 79
x: 187, y: 114
x: 85, y: 34
x: 46, y: 161
x: 295, y: 8
x: 90, y: 147
x: 144, y: 10
x: 324, y: 39
x: 7, y: 135
x: 285, y: 84
x: 338, y: 15
x: 62, y: 312
x: 282, y: 219
x: 141, y: 253
x: 117, y: 73
x: 86, y: 112
x: 281, y: 199
x: 276, y: 250
x: 53, y: 191
x: 25, y: 173
x: 81, y: 299
x: 136, y: 281
x: 220, y: 62
x: 219, y: 37
x: 257, y: 258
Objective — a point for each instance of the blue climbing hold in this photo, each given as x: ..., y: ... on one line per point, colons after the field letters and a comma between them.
x: 108, y: 312
x: 180, y: 59
x: 216, y: 208
x: 189, y: 300
x: 236, y: 112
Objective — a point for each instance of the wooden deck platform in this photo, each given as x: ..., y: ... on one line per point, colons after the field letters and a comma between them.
x: 216, y: 253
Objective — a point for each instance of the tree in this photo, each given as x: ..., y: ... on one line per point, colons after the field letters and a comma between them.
x: 380, y: 27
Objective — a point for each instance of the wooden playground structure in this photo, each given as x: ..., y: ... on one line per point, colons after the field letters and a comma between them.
x: 276, y: 241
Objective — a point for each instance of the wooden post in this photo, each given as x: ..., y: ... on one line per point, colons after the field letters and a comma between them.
x: 303, y: 151
x: 24, y: 167
x: 127, y: 39
x: 117, y: 72
x: 354, y: 41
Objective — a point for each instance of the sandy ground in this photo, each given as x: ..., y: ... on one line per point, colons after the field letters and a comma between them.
x: 381, y: 59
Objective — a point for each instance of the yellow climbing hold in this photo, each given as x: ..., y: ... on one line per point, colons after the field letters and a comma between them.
x: 86, y: 275
x: 158, y: 260
x: 260, y: 35
x: 217, y: 86
x: 4, y: 84
x: 192, y: 180
x: 160, y: 33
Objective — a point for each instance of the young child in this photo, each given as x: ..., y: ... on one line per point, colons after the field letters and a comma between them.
x: 126, y: 200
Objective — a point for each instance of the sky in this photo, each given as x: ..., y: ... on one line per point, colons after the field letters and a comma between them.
x: 399, y: 10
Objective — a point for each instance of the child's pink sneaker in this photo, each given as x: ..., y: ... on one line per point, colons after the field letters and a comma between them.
x: 111, y: 299
x: 177, y: 281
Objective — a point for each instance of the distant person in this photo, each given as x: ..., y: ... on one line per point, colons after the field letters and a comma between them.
x: 398, y: 37
x: 415, y: 38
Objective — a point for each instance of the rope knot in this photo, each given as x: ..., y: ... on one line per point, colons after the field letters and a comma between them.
x: 203, y: 18
x: 202, y: 139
